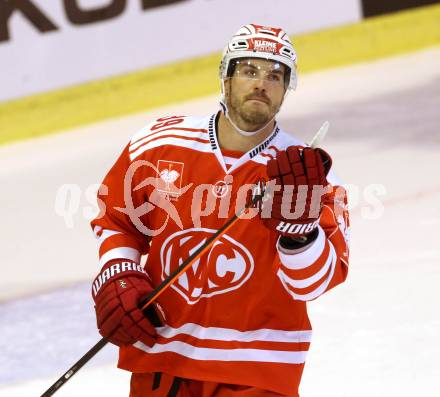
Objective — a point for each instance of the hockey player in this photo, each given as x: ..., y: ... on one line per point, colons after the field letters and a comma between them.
x: 235, y: 323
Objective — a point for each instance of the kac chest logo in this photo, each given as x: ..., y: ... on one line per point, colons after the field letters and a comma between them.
x: 224, y: 268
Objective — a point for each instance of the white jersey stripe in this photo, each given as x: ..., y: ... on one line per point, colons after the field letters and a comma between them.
x: 307, y: 282
x: 318, y: 291
x: 121, y: 252
x: 190, y: 144
x: 228, y: 334
x: 307, y: 257
x: 208, y: 354
x: 154, y: 135
x: 105, y: 235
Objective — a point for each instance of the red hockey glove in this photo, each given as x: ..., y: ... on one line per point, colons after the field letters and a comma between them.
x: 297, y: 170
x: 117, y: 291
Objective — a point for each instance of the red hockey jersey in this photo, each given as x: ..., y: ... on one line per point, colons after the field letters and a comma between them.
x: 238, y: 315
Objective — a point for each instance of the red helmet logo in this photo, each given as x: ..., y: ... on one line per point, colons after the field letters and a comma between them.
x: 225, y: 267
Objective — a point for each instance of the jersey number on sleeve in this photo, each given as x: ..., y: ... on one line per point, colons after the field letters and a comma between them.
x: 166, y: 122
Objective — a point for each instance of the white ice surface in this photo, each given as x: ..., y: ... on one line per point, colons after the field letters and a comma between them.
x: 376, y: 335
x: 104, y: 380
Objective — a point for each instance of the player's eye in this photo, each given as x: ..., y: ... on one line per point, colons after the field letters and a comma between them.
x: 274, y: 77
x: 251, y: 73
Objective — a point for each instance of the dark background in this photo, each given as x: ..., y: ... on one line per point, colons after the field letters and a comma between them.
x: 377, y: 7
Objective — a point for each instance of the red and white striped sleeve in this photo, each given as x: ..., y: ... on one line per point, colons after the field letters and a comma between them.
x: 306, y: 274
x: 117, y: 237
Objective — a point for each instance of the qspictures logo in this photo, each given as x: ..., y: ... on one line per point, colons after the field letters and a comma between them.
x: 71, y: 201
x: 76, y: 12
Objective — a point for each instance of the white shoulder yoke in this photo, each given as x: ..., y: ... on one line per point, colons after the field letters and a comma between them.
x: 182, y: 131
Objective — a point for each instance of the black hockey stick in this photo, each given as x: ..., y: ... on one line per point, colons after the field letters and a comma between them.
x: 257, y: 196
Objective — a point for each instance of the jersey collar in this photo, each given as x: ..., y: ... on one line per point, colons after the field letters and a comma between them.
x: 249, y: 155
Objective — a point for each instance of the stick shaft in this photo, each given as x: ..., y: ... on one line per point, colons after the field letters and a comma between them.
x: 75, y: 368
x: 320, y: 135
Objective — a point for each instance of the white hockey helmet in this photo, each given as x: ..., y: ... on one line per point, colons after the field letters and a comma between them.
x: 256, y: 41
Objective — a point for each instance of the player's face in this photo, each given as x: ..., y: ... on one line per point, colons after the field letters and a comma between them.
x: 255, y: 92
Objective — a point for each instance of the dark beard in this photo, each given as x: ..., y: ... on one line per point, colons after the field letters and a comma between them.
x: 250, y: 116
x: 254, y: 117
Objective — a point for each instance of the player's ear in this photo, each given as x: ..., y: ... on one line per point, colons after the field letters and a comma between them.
x: 227, y: 86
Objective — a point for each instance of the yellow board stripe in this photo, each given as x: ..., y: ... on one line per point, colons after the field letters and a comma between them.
x: 87, y: 103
